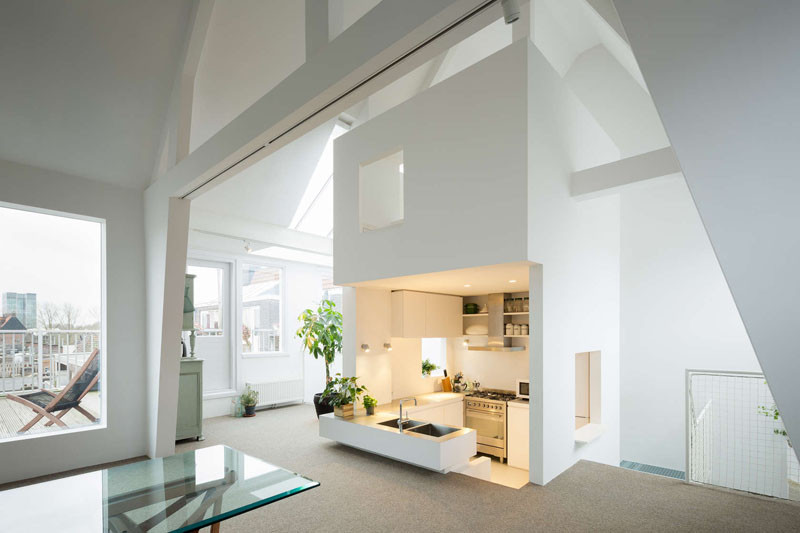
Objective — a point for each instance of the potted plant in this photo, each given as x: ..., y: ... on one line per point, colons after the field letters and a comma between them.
x: 321, y: 333
x: 342, y: 393
x: 369, y: 404
x: 428, y: 367
x: 249, y: 399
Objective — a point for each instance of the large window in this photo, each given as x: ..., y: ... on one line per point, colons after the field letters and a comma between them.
x: 261, y: 295
x: 208, y: 299
x: 330, y: 291
x: 51, y: 288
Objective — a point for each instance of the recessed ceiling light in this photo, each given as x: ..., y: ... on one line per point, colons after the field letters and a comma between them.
x: 467, y: 285
x: 512, y: 281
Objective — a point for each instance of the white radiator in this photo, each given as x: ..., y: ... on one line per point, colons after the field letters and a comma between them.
x: 278, y: 392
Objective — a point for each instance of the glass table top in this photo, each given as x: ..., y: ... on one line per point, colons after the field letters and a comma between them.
x: 179, y: 493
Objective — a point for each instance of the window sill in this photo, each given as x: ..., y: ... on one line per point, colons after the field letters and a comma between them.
x: 264, y: 355
x: 588, y: 433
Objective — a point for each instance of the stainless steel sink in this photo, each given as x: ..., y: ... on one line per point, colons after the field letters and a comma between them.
x: 407, y: 424
x: 434, y: 430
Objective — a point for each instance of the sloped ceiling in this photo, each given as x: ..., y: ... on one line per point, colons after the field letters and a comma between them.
x: 270, y: 190
x: 86, y: 83
x: 725, y: 78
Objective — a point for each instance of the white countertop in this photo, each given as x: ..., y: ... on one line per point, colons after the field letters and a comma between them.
x: 520, y: 403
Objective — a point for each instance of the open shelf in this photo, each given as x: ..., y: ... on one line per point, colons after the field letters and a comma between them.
x: 516, y: 336
x: 475, y: 335
x: 517, y: 313
x: 474, y: 314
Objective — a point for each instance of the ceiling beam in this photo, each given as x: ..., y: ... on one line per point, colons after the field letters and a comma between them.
x: 261, y: 232
x: 324, y: 85
x: 316, y: 26
x: 606, y: 179
x: 174, y: 145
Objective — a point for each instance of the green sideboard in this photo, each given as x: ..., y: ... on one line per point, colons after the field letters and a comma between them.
x: 190, y: 400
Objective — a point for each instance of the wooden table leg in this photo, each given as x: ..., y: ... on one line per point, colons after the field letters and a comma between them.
x: 215, y: 527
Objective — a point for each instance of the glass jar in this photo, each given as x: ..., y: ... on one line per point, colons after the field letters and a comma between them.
x: 524, y: 330
x: 509, y: 329
x: 517, y: 305
x: 507, y: 305
x: 517, y: 329
x: 526, y: 306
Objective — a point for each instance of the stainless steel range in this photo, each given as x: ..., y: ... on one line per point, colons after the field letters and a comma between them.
x: 485, y: 412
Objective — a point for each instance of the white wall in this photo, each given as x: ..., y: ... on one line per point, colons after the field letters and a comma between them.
x: 731, y: 117
x: 494, y: 370
x: 464, y: 153
x: 577, y: 244
x: 407, y: 379
x: 250, y: 46
x: 677, y: 313
x: 373, y: 327
x: 125, y: 433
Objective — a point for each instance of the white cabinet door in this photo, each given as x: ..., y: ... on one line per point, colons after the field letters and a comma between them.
x: 442, y: 315
x: 454, y: 414
x: 518, y: 437
x: 408, y: 314
x: 429, y: 414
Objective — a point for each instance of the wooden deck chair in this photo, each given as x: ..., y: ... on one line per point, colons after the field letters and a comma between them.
x: 44, y: 402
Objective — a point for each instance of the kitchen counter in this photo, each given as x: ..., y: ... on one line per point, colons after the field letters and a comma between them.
x: 423, y: 400
x: 364, y: 432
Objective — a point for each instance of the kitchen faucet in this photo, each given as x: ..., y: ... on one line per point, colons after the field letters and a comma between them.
x: 400, y: 420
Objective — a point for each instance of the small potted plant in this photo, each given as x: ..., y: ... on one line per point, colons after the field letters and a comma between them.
x: 342, y: 393
x: 249, y: 399
x: 369, y: 404
x: 428, y: 367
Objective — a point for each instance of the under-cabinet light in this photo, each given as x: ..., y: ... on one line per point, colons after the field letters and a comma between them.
x: 365, y: 347
x: 387, y: 346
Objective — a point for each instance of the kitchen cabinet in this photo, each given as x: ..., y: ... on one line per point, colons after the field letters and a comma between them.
x: 451, y: 414
x: 190, y: 400
x: 430, y: 414
x: 454, y: 414
x: 518, y: 420
x: 422, y: 314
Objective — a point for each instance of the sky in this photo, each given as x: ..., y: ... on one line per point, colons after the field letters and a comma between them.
x: 58, y: 258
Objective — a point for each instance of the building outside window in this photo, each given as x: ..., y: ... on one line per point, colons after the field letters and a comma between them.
x: 51, y: 322
x: 261, y: 296
x: 208, y: 299
x: 22, y: 306
x: 330, y: 291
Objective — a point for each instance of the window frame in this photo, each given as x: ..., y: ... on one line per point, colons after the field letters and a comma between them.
x: 215, y: 260
x: 102, y: 423
x: 255, y: 260
x: 439, y: 372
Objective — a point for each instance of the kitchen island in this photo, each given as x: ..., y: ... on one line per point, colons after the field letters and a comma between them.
x: 429, y: 445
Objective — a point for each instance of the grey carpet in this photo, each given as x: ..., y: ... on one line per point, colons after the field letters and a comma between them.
x: 364, y: 492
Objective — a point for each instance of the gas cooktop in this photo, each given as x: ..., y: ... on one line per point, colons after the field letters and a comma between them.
x: 499, y: 396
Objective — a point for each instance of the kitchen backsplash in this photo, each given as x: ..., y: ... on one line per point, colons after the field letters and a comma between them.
x: 494, y: 370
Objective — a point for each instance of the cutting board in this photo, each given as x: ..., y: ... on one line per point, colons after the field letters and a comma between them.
x: 446, y: 385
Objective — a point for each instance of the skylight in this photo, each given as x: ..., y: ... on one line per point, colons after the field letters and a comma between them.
x: 290, y: 254
x: 314, y: 213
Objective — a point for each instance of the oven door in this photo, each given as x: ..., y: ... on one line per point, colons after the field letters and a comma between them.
x: 491, y: 427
